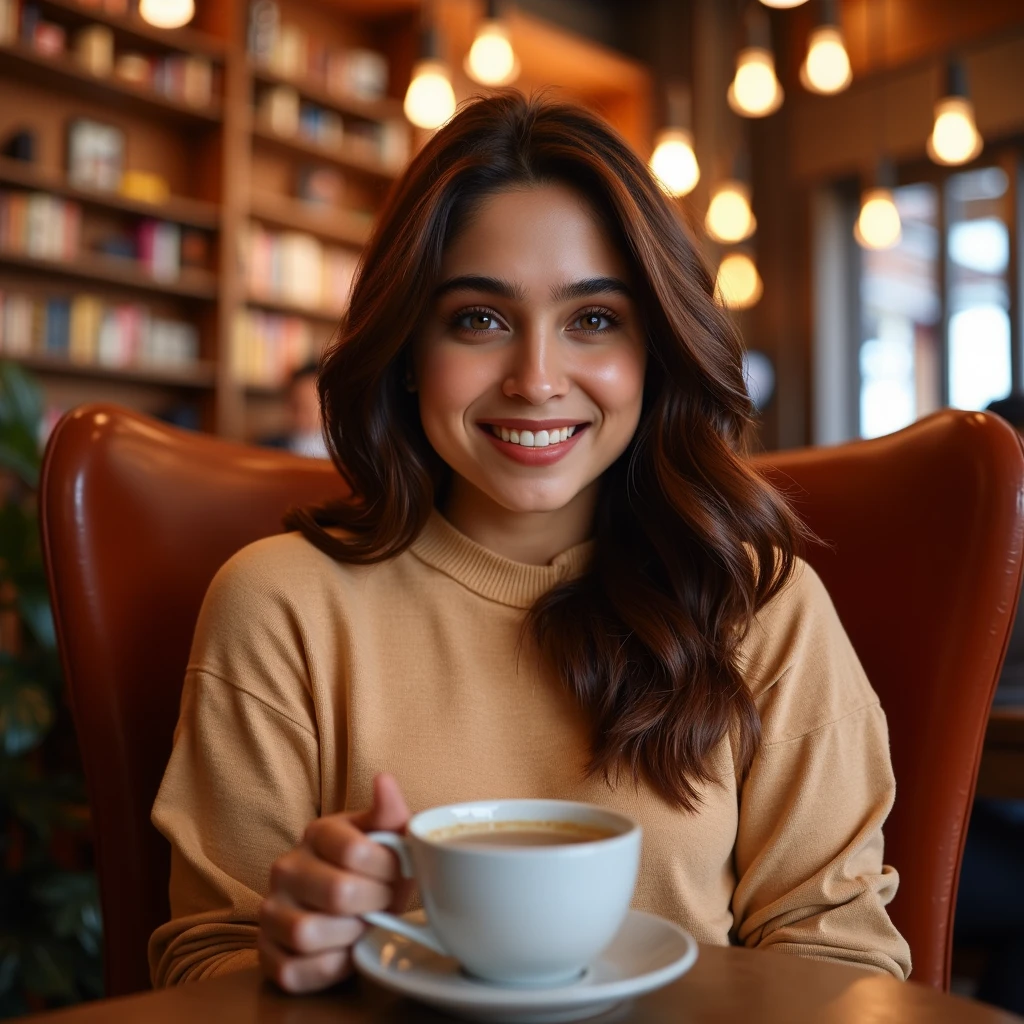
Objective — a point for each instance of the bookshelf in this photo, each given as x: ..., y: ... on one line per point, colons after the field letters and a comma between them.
x: 257, y: 161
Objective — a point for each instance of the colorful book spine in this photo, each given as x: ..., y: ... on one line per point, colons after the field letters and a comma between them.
x: 40, y: 225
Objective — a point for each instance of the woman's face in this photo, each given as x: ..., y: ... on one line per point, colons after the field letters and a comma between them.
x: 530, y: 365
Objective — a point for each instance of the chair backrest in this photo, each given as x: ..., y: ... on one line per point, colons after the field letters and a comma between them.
x: 924, y: 566
x: 136, y: 519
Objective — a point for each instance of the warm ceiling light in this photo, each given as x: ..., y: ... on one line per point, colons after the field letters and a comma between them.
x: 784, y: 4
x: 491, y: 59
x: 729, y: 217
x: 167, y: 13
x: 755, y: 91
x: 674, y: 163
x: 955, y: 138
x: 738, y: 284
x: 826, y: 69
x: 429, y: 100
x: 878, y: 226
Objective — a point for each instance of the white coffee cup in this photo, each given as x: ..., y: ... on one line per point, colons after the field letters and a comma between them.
x: 511, y: 914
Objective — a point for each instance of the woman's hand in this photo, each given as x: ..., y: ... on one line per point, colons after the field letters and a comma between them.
x: 309, y: 921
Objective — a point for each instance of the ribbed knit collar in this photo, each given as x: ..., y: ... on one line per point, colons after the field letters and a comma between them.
x: 491, y: 575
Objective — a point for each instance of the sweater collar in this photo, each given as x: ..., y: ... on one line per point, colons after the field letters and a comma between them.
x: 490, y: 575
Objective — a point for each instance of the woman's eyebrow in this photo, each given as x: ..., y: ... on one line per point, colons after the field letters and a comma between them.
x: 479, y: 283
x: 589, y: 286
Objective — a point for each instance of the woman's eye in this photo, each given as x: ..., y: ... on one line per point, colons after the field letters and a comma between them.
x: 477, y: 321
x: 594, y: 322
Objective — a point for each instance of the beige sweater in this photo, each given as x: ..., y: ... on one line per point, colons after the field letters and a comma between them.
x: 308, y: 677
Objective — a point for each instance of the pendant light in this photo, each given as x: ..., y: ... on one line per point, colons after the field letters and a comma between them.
x: 755, y: 90
x: 738, y: 285
x: 673, y: 161
x: 729, y: 218
x: 783, y: 4
x: 429, y: 100
x: 826, y: 69
x: 491, y: 60
x: 878, y: 225
x: 167, y: 13
x: 955, y: 138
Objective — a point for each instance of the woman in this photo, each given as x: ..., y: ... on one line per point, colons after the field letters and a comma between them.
x: 560, y: 579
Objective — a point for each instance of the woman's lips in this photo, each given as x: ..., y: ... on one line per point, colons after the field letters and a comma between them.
x: 534, y: 456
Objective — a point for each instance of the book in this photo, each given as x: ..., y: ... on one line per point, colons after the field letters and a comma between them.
x: 158, y: 248
x: 83, y: 335
x: 17, y: 326
x: 49, y: 38
x: 58, y: 327
x: 10, y: 16
x: 278, y: 110
x: 94, y: 50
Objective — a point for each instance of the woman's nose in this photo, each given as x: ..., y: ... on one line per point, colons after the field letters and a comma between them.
x: 537, y: 373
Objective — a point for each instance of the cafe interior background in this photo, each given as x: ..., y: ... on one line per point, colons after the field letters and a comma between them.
x: 182, y: 209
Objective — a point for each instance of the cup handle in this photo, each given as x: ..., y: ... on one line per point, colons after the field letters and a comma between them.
x: 421, y: 933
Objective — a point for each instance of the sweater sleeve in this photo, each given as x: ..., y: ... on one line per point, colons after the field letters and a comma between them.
x: 243, y: 780
x: 810, y: 876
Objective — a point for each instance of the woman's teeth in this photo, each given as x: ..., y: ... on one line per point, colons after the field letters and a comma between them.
x: 531, y: 438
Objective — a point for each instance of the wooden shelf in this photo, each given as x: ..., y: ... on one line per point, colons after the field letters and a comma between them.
x: 331, y: 225
x: 264, y: 392
x: 298, y: 146
x: 29, y: 66
x: 200, y: 376
x: 369, y: 110
x: 190, y: 212
x: 134, y: 31
x: 287, y: 308
x: 192, y: 284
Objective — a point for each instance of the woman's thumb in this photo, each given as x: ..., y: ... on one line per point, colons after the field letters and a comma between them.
x: 389, y: 810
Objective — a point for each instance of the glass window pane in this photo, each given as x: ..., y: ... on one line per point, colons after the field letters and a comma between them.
x: 900, y: 368
x: 978, y: 243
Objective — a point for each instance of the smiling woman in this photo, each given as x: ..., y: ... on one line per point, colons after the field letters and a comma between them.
x: 558, y: 578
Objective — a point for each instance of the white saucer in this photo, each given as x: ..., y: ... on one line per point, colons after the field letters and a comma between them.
x: 648, y: 952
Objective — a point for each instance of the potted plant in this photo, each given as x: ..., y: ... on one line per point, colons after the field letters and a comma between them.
x: 50, y: 931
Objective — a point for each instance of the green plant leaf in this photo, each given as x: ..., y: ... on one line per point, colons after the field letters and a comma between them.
x: 34, y: 606
x: 21, y: 399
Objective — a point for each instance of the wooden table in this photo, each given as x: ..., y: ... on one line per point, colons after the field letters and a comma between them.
x: 1001, y: 775
x: 725, y: 985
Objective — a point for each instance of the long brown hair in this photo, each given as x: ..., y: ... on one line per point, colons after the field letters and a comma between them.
x: 690, y: 541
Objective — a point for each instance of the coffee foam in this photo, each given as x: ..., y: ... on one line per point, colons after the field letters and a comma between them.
x: 568, y: 828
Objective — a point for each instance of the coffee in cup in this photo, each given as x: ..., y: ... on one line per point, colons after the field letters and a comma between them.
x: 520, y: 892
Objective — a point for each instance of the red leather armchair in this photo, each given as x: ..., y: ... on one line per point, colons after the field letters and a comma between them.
x: 925, y: 528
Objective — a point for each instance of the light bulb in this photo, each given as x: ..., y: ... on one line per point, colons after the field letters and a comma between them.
x: 755, y: 91
x: 738, y: 284
x: 491, y: 59
x: 729, y: 217
x: 429, y: 100
x: 167, y: 13
x: 954, y: 138
x: 674, y: 163
x: 783, y: 3
x: 878, y: 226
x: 827, y: 67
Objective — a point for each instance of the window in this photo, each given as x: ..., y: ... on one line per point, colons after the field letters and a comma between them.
x: 902, y: 332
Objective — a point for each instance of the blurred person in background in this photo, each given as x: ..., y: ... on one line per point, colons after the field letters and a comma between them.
x: 990, y: 901
x: 305, y: 434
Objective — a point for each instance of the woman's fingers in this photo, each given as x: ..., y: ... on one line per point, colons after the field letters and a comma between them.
x: 302, y: 973
x: 302, y: 932
x: 316, y: 885
x: 336, y: 840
